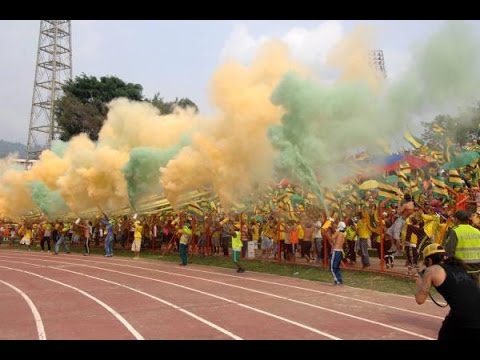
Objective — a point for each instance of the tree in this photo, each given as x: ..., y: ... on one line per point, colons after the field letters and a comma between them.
x: 90, y: 90
x: 166, y: 107
x: 460, y: 129
x: 186, y: 102
x: 83, y: 108
x: 74, y: 118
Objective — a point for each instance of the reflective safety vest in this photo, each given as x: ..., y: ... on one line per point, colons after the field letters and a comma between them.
x: 237, y: 242
x: 468, y: 245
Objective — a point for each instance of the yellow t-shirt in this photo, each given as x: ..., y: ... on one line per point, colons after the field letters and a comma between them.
x: 301, y: 232
x: 363, y: 230
x: 186, y: 235
x: 137, y: 235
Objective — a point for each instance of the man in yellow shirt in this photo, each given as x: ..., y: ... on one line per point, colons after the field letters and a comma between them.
x: 137, y: 239
x: 364, y: 233
x: 185, y: 237
x: 237, y: 249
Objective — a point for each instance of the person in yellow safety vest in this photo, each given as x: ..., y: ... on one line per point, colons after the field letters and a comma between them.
x: 464, y: 243
x: 237, y: 249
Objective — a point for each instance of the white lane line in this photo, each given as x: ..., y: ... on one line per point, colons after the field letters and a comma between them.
x: 303, y: 326
x: 33, y: 308
x: 298, y: 287
x: 166, y: 263
x: 119, y: 317
x: 176, y: 307
x: 272, y: 275
x: 302, y: 288
x: 324, y: 293
x: 278, y: 297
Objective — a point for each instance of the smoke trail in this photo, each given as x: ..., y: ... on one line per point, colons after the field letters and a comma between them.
x: 50, y: 202
x: 232, y: 152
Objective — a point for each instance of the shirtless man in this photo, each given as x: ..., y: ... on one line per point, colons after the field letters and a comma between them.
x: 337, y: 242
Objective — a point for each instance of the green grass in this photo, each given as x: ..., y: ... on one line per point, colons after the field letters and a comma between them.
x: 354, y: 278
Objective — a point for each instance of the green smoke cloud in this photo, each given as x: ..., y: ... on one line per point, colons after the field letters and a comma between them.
x: 50, y: 202
x: 323, y: 123
x: 142, y: 171
x: 59, y: 147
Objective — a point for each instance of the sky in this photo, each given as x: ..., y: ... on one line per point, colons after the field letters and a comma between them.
x: 179, y: 58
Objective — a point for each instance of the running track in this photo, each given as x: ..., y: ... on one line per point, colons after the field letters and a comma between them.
x: 76, y: 297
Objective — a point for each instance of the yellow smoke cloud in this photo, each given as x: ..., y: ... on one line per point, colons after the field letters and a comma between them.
x: 232, y: 152
x: 229, y: 151
x: 48, y: 169
x: 15, y: 196
x: 351, y: 55
x: 94, y: 177
x: 132, y: 124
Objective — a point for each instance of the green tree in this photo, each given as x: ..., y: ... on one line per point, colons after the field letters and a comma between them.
x: 74, y: 118
x: 167, y: 107
x: 83, y: 108
x: 460, y: 129
x: 90, y: 90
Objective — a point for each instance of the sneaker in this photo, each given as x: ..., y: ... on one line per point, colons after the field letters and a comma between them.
x: 68, y: 252
x: 55, y: 253
x: 365, y: 266
x: 240, y: 270
x: 86, y: 254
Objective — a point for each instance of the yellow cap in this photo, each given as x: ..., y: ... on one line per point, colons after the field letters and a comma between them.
x: 433, y: 249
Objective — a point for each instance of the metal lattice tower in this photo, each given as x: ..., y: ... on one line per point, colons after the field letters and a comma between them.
x: 53, y: 69
x: 377, y: 62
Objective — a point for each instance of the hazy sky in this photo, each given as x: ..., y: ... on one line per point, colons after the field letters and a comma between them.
x: 178, y: 58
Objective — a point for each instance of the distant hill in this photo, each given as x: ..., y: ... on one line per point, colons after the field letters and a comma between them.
x: 7, y: 147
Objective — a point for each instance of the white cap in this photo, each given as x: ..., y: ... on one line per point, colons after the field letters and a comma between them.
x: 341, y: 226
x: 77, y: 221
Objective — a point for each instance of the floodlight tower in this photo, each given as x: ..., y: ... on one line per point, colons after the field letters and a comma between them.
x: 53, y: 69
x: 377, y: 62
